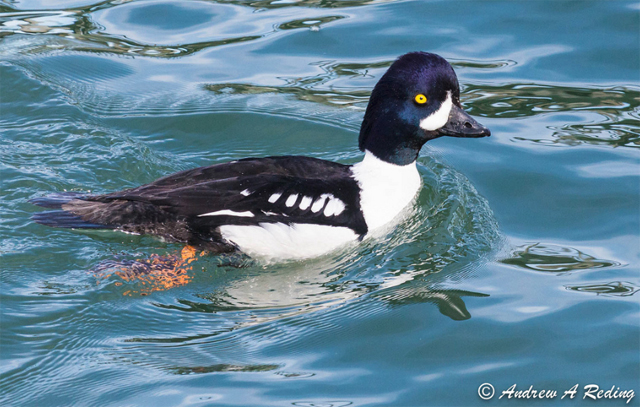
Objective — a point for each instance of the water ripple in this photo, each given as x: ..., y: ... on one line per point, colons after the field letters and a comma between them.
x: 555, y: 259
x: 618, y: 109
x: 157, y: 29
x: 111, y: 94
x: 227, y: 315
x: 612, y: 289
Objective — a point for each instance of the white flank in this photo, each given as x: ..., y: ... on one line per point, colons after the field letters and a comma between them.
x: 438, y: 118
x: 306, y: 201
x: 273, y: 198
x: 228, y: 212
x: 280, y: 241
x: 246, y: 192
x: 386, y: 189
x: 291, y: 200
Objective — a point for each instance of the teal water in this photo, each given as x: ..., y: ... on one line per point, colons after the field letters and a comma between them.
x: 519, y: 264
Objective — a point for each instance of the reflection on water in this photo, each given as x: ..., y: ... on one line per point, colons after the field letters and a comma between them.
x: 617, y: 110
x: 183, y: 370
x: 327, y: 87
x: 76, y: 31
x: 297, y: 89
x: 308, y: 22
x: 555, y: 259
x: 155, y: 273
x: 614, y: 289
x: 595, y: 115
x: 275, y: 4
x: 153, y: 28
x: 517, y: 100
x: 449, y: 302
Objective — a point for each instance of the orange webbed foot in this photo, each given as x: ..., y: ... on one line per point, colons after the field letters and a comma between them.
x: 158, y: 273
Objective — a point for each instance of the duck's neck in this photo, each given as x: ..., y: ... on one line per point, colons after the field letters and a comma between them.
x: 392, y: 150
x: 372, y: 162
x: 390, y: 138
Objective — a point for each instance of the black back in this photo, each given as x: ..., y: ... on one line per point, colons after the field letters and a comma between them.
x: 171, y: 206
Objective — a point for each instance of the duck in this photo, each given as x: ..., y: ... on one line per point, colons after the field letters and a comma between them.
x: 293, y: 207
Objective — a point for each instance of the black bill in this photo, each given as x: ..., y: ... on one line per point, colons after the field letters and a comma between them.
x: 460, y: 124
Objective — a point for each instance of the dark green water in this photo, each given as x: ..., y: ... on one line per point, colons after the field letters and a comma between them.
x: 519, y: 264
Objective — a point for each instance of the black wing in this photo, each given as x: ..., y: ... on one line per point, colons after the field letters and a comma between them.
x: 191, y: 205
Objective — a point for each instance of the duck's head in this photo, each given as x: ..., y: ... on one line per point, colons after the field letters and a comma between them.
x: 416, y: 100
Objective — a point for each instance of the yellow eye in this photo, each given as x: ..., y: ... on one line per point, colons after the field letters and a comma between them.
x: 420, y: 99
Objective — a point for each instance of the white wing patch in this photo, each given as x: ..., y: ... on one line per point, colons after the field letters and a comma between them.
x: 334, y: 207
x: 291, y: 200
x: 305, y: 203
x: 228, y: 212
x: 275, y: 214
x: 273, y: 198
x: 438, y: 118
x: 319, y: 203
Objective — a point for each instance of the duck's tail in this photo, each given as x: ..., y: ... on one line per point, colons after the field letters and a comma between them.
x: 56, y: 200
x: 62, y: 218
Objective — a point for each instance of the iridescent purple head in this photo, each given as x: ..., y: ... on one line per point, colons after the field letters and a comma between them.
x: 416, y: 100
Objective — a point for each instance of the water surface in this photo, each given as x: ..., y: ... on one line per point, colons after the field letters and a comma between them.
x: 519, y: 263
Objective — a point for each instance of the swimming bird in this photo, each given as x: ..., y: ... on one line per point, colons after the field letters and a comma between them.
x: 293, y: 207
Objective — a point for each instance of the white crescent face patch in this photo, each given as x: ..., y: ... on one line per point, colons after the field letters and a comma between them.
x: 438, y: 118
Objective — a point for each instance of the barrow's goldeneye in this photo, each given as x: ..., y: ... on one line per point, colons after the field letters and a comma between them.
x: 293, y: 207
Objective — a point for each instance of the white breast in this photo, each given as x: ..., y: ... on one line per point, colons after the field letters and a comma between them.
x: 386, y: 189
